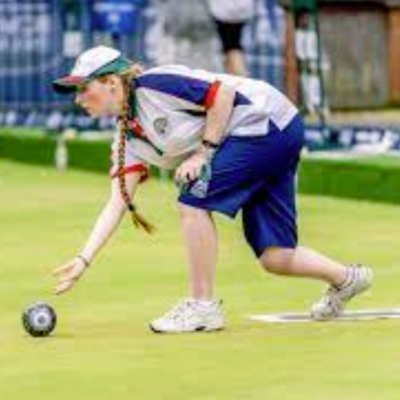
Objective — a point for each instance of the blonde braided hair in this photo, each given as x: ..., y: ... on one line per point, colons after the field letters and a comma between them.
x: 126, y: 78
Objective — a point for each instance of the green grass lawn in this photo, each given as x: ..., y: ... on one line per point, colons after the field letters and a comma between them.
x: 102, y: 348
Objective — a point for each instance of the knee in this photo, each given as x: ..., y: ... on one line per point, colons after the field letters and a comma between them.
x: 189, y: 215
x: 277, y: 260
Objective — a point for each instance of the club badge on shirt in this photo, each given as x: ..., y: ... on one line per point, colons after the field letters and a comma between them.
x: 162, y: 126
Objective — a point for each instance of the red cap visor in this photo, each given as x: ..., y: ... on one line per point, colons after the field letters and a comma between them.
x: 68, y: 84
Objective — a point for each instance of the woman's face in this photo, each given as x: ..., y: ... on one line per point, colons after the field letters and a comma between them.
x: 101, y: 97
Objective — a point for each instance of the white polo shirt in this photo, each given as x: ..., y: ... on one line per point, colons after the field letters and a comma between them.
x: 172, y: 102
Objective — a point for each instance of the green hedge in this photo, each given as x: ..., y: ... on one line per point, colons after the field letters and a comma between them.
x: 86, y: 155
x: 28, y: 150
x: 82, y: 154
x: 372, y: 180
x: 89, y: 155
x: 376, y: 182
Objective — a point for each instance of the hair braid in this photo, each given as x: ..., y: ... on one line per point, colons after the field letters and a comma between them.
x: 138, y: 220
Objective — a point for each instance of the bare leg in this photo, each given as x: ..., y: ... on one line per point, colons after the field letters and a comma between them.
x: 303, y: 262
x: 200, y: 237
x: 235, y: 63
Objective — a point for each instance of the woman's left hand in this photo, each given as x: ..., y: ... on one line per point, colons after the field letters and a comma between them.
x: 190, y: 169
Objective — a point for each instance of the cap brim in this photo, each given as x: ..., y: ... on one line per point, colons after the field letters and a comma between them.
x: 120, y: 64
x: 71, y: 83
x: 68, y: 84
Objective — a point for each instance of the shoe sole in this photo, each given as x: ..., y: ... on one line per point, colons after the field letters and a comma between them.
x: 197, y: 330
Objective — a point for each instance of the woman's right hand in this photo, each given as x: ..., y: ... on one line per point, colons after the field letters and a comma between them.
x: 68, y: 274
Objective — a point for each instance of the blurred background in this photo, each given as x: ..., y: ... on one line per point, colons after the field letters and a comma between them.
x: 39, y: 40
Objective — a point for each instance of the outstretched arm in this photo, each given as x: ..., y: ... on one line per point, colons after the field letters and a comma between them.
x: 107, y: 222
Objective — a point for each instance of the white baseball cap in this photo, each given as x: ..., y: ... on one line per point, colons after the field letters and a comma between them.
x: 95, y: 62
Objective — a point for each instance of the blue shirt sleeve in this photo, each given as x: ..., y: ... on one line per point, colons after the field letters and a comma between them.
x: 186, y: 88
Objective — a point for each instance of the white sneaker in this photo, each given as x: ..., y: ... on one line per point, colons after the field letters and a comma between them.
x: 191, y: 316
x: 333, y: 302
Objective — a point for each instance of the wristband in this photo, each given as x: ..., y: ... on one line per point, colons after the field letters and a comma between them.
x: 209, y: 144
x: 84, y: 260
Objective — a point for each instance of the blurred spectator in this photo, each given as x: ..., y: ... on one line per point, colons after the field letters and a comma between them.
x: 264, y: 43
x: 309, y: 58
x: 230, y: 16
x: 181, y: 35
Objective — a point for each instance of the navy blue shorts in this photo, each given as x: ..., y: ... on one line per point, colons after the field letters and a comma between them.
x: 258, y: 176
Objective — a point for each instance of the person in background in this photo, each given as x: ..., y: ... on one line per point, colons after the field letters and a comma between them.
x: 230, y: 16
x: 234, y: 144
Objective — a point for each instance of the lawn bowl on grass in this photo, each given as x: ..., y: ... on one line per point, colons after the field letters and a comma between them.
x: 39, y: 319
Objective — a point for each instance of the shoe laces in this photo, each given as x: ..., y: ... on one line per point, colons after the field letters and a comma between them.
x: 333, y: 294
x: 330, y: 297
x: 181, y: 309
